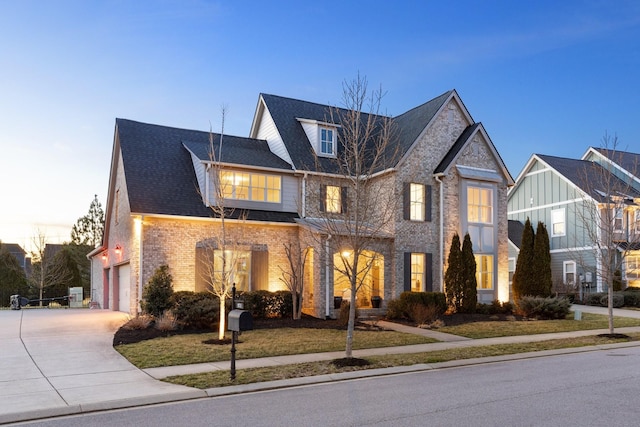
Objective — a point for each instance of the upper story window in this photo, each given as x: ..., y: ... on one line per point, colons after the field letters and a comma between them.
x: 327, y: 141
x: 557, y: 222
x: 416, y: 200
x: 636, y: 220
x: 480, y: 205
x: 333, y: 199
x: 250, y: 186
x: 617, y: 219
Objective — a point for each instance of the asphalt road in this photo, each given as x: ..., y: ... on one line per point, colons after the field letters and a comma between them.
x: 598, y: 388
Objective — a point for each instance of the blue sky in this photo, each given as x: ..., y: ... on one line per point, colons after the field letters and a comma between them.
x: 545, y: 77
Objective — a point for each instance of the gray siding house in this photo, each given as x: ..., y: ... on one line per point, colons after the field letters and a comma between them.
x: 577, y: 199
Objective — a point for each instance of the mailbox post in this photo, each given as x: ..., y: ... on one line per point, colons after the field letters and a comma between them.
x: 239, y: 320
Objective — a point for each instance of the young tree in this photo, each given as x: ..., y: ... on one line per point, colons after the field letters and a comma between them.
x: 453, y: 276
x: 469, y: 282
x: 606, y: 218
x: 541, y: 262
x: 356, y: 229
x: 293, y: 276
x: 88, y: 229
x: 524, y: 265
x: 46, y: 270
x: 220, y: 254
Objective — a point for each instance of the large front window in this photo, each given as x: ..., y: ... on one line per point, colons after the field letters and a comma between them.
x: 250, y: 186
x: 237, y: 268
x: 484, y: 271
x: 417, y: 272
x: 479, y: 205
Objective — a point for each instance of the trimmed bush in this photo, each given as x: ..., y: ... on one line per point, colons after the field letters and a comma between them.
x: 402, y: 308
x: 156, y: 295
x: 496, y: 307
x: 593, y: 299
x: 197, y: 310
x: 618, y: 300
x: 543, y: 308
x: 631, y: 298
x: 268, y: 305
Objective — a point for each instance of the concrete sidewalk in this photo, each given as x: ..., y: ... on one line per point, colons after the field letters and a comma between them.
x: 57, y: 362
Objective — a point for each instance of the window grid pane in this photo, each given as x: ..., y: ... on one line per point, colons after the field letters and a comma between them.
x: 417, y: 202
x: 479, y: 205
x: 333, y: 202
x: 417, y: 272
x: 484, y: 271
x: 249, y: 186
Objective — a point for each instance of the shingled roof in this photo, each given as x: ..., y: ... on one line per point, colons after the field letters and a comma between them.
x: 160, y: 175
x: 590, y: 177
x: 285, y: 113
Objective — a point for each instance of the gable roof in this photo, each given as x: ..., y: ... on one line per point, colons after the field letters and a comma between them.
x: 630, y: 162
x: 285, y: 113
x: 590, y: 177
x: 159, y: 171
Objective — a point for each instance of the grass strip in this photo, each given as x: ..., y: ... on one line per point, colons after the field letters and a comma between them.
x: 254, y: 375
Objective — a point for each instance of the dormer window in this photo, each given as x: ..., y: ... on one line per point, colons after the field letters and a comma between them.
x: 327, y: 141
x: 322, y: 136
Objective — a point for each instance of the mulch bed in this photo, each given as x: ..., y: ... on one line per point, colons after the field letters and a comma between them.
x: 130, y: 336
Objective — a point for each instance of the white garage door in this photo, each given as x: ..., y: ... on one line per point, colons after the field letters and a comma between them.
x: 124, y: 288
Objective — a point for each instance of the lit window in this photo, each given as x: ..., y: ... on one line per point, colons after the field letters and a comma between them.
x: 333, y: 199
x: 417, y: 272
x: 484, y: 271
x: 416, y: 209
x: 479, y: 205
x: 327, y: 144
x: 250, y: 186
x: 569, y: 272
x: 632, y: 267
x: 237, y: 268
x: 557, y: 223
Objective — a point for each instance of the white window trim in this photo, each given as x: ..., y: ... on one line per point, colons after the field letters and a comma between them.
x: 565, y: 264
x: 564, y: 222
x: 636, y: 221
x: 333, y: 141
x: 420, y: 205
x: 614, y: 216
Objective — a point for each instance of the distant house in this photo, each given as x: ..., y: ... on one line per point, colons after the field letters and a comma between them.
x: 161, y: 187
x: 21, y: 255
x: 557, y: 191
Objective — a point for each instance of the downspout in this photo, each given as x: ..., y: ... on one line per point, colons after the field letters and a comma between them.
x: 438, y: 177
x: 140, y: 254
x: 326, y: 272
x: 303, y: 207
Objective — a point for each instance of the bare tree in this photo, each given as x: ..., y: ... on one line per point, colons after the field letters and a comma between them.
x: 220, y: 256
x: 359, y: 220
x: 293, y: 275
x: 608, y: 217
x: 47, y: 271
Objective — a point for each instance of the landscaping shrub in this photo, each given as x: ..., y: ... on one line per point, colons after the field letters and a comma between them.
x: 496, y: 307
x: 268, y: 305
x: 196, y: 309
x: 156, y: 295
x: 631, y: 297
x: 402, y: 308
x: 618, y: 300
x: 543, y: 308
x: 140, y: 322
x: 343, y: 316
x: 424, y: 314
x: 166, y: 322
x: 594, y: 299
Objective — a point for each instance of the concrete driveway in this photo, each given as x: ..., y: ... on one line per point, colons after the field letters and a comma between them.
x: 55, y: 362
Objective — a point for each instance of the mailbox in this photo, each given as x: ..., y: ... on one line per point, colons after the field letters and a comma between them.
x: 240, y: 320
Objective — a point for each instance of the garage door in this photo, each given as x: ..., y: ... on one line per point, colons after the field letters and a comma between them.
x: 124, y: 288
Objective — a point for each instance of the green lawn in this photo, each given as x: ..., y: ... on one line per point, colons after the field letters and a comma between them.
x: 507, y: 329
x: 188, y: 349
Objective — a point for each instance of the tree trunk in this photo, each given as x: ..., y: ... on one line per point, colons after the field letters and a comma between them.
x: 610, y: 306
x: 296, y: 315
x: 223, y: 317
x: 352, y: 322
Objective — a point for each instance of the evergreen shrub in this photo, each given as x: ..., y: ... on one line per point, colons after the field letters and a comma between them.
x: 543, y: 308
x: 156, y: 295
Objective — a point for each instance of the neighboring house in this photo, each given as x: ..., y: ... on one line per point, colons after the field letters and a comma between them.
x: 20, y: 254
x: 560, y: 192
x: 449, y: 179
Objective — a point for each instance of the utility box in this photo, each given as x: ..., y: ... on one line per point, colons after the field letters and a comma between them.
x: 240, y: 320
x: 75, y: 297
